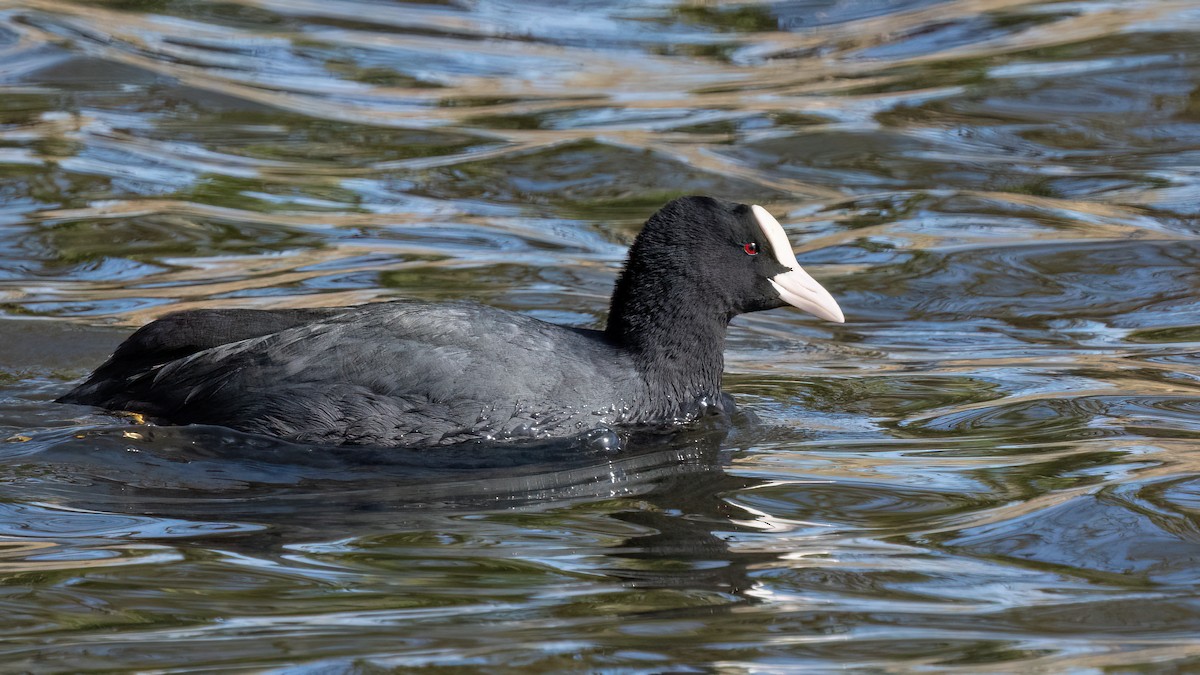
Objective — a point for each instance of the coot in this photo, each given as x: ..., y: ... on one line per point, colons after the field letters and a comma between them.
x: 409, y: 373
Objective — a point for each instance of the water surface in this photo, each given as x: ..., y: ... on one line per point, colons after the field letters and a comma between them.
x: 992, y: 466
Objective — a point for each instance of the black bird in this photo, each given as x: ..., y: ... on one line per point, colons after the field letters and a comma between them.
x: 410, y: 373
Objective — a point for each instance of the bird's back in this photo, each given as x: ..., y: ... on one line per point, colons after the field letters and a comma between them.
x: 397, y: 373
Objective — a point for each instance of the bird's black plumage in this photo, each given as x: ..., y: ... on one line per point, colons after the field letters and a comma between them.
x: 410, y: 373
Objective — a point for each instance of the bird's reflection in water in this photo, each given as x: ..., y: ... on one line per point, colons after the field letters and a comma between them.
x: 265, y: 498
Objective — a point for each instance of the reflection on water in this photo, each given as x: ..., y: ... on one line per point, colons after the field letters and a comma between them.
x: 988, y: 467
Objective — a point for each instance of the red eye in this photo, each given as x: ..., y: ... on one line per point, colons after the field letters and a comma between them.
x: 751, y: 248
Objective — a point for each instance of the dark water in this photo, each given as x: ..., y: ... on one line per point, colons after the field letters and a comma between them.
x: 994, y: 465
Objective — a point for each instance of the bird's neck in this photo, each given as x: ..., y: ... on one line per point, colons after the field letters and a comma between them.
x: 677, y: 341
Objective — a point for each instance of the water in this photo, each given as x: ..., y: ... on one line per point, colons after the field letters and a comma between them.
x: 992, y: 466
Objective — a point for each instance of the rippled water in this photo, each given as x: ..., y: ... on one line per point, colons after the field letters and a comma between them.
x: 992, y: 466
